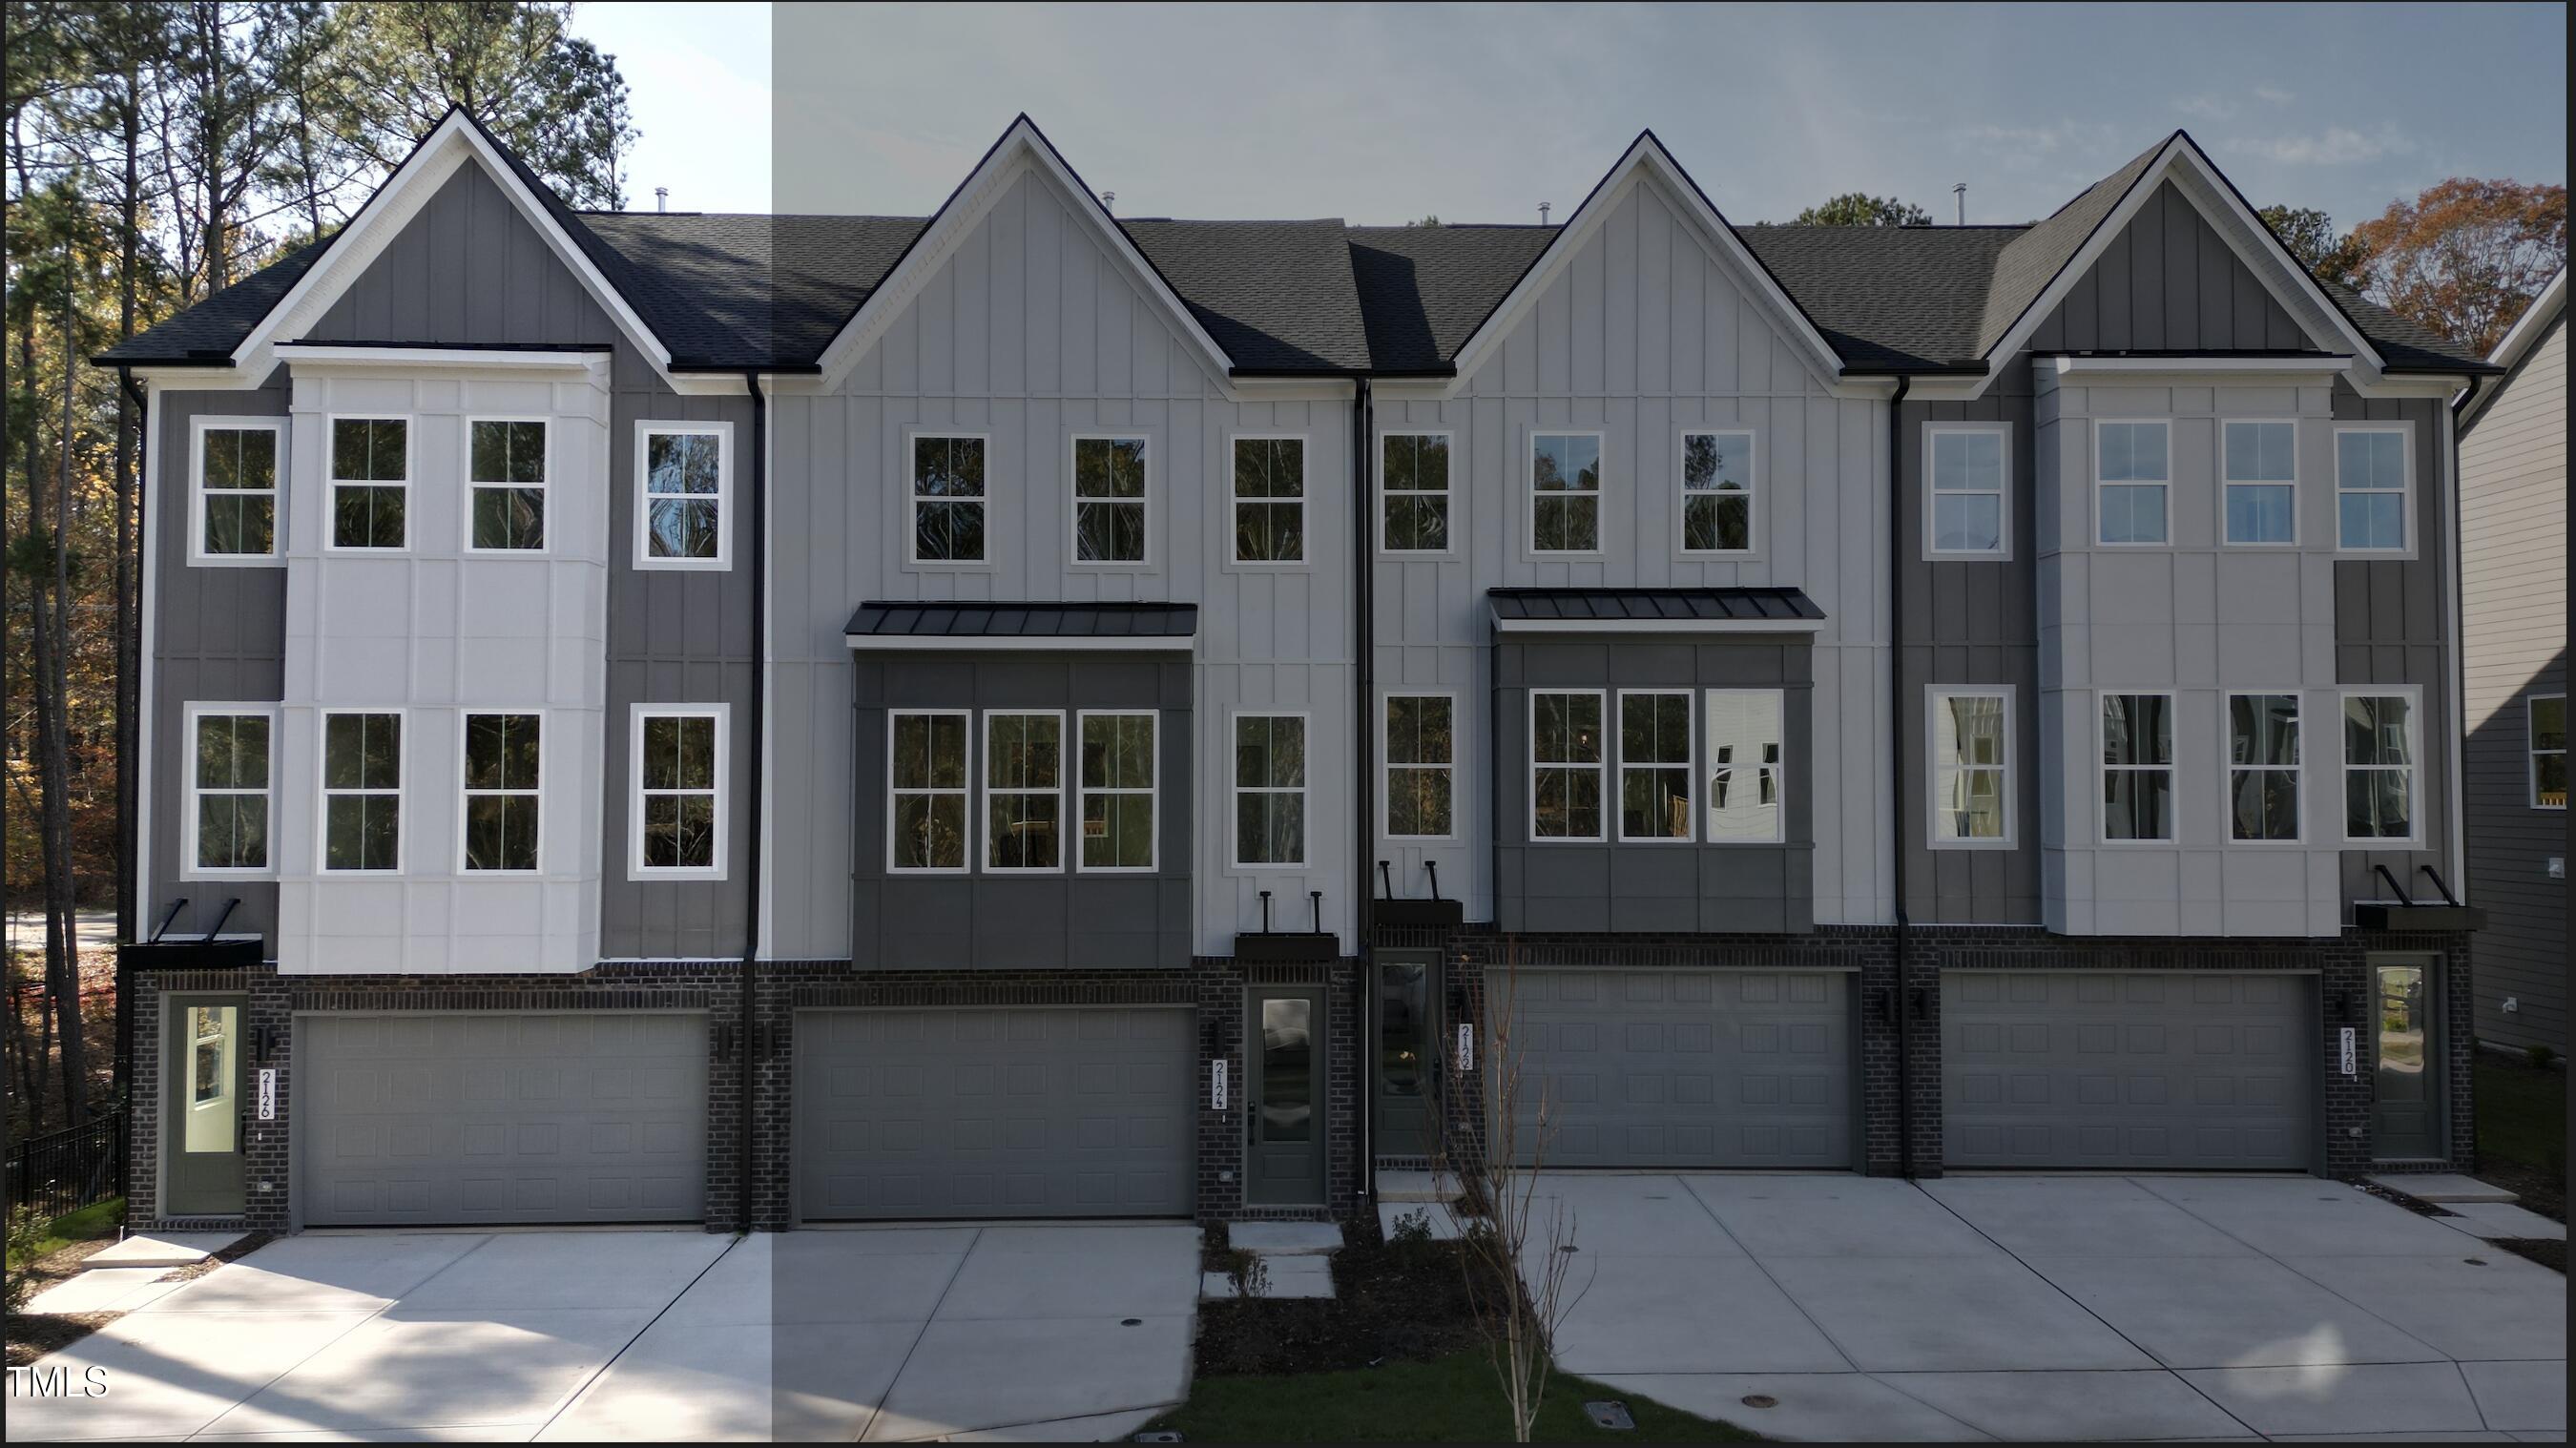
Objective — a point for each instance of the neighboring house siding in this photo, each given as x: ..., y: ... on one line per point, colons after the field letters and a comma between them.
x: 2513, y: 502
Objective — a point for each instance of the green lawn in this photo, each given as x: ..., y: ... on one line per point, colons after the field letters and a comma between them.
x: 98, y: 1219
x: 1455, y: 1399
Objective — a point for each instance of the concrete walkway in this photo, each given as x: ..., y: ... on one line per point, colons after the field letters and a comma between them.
x: 2058, y: 1308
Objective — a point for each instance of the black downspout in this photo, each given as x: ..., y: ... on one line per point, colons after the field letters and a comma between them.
x: 130, y: 890
x: 1896, y: 769
x: 758, y: 457
x: 1364, y: 831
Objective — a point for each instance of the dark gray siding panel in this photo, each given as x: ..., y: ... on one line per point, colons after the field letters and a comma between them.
x: 468, y: 270
x: 2168, y: 282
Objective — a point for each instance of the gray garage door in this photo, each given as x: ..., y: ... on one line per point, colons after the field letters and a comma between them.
x: 2127, y: 1069
x: 1687, y: 1068
x: 581, y: 1116
x: 995, y: 1112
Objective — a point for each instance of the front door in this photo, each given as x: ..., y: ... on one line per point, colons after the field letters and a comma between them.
x: 1284, y: 1160
x: 2406, y: 1106
x: 204, y: 1078
x: 1408, y: 1045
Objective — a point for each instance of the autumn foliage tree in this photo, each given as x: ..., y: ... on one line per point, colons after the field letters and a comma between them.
x: 2466, y: 256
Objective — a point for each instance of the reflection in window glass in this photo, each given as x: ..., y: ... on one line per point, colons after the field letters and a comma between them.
x: 1565, y: 766
x: 2378, y: 767
x: 1745, y: 784
x: 1968, y: 766
x: 1565, y: 493
x: 2263, y: 766
x: 2137, y: 767
x: 1654, y: 765
x: 1023, y: 791
x: 1269, y: 789
x: 1968, y: 491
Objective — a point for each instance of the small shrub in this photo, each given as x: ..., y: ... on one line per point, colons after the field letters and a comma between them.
x: 2541, y: 1056
x: 1412, y: 1229
x: 1249, y: 1274
x: 26, y: 1229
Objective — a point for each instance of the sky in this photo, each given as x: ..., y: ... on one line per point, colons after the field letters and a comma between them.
x: 1380, y: 114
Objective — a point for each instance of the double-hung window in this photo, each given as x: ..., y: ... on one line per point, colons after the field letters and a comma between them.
x: 1024, y: 791
x: 1654, y: 764
x: 362, y: 771
x: 2137, y: 766
x: 370, y: 481
x: 2260, y: 472
x: 1566, y: 762
x: 1565, y: 492
x: 1421, y: 754
x: 2545, y: 720
x: 1413, y: 514
x: 503, y: 763
x: 1109, y: 505
x: 1717, y: 492
x: 685, y: 503
x: 1270, y: 789
x: 229, y: 784
x: 679, y: 791
x: 1745, y: 784
x: 2370, y: 489
x: 1971, y: 766
x: 947, y: 498
x: 506, y: 484
x: 926, y: 774
x: 1269, y: 500
x: 1964, y: 509
x: 1118, y: 768
x: 2379, y: 767
x: 237, y: 488
x: 2132, y: 468
x: 2263, y: 766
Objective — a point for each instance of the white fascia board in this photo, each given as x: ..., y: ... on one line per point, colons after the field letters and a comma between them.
x: 1659, y: 625
x: 413, y: 358
x: 2080, y: 367
x: 216, y: 378
x: 2533, y: 321
x: 1018, y: 644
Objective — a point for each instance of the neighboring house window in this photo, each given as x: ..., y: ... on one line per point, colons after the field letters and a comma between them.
x: 2132, y: 467
x: 229, y: 787
x: 1117, y: 782
x: 502, y: 764
x: 1971, y: 478
x: 2261, y: 472
x: 2263, y: 766
x: 687, y: 491
x: 506, y: 470
x: 1971, y: 766
x: 1745, y: 783
x: 237, y: 490
x: 1024, y: 791
x: 2546, y: 719
x: 2379, y: 767
x: 2370, y: 489
x: 361, y: 791
x: 1654, y: 764
x: 1413, y: 516
x: 679, y: 791
x: 947, y: 499
x: 1109, y: 500
x: 1717, y: 492
x: 1565, y: 765
x: 1421, y: 753
x: 370, y: 481
x: 926, y: 772
x: 1269, y: 500
x: 2137, y: 766
x: 1565, y: 492
x: 1269, y: 789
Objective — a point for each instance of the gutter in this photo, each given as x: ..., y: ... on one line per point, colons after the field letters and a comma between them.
x: 128, y: 823
x: 759, y: 558
x: 1896, y: 771
x: 1364, y: 828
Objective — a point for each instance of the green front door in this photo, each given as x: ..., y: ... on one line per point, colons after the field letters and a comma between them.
x: 2406, y: 1114
x: 205, y: 1104
x: 1284, y: 1158
x: 1408, y: 1048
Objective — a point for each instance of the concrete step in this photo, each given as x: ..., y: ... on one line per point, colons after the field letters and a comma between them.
x: 163, y: 1249
x: 1287, y: 1277
x: 1285, y: 1239
x: 2443, y: 1187
x: 1415, y: 1186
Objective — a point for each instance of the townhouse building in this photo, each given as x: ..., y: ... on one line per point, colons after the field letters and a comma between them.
x: 1027, y: 712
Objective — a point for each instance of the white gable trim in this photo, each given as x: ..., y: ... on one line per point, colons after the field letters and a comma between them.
x: 1645, y: 158
x: 455, y: 143
x: 1022, y: 150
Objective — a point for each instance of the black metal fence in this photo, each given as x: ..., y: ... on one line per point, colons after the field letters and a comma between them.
x: 64, y: 1171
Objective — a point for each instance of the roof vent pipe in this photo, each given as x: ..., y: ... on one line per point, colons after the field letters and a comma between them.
x: 1542, y: 213
x: 1961, y: 191
x: 661, y: 198
x: 1109, y: 201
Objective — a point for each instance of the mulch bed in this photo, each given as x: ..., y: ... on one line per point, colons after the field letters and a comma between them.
x: 1403, y: 1301
x: 2540, y: 1191
x: 2549, y: 1253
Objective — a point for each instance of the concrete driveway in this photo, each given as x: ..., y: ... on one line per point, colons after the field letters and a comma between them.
x: 1025, y: 1331
x: 2058, y: 1307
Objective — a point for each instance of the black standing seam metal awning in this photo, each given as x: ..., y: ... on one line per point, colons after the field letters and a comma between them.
x: 1788, y: 609
x: 893, y: 623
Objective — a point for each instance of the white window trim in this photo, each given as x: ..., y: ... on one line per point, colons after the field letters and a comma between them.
x: 1616, y: 727
x: 1387, y: 768
x: 471, y: 487
x: 331, y: 483
x: 1934, y: 697
x: 2405, y: 491
x: 2227, y: 767
x: 1236, y: 789
x: 646, y: 430
x: 465, y: 792
x: 324, y: 793
x: 1451, y: 498
x: 1305, y: 490
x: 1153, y: 794
x: 2173, y: 771
x: 1529, y: 495
x: 2002, y: 552
x: 2099, y: 483
x: 1144, y: 559
x: 2413, y: 694
x: 636, y: 869
x: 189, y: 869
x: 964, y: 792
x: 2531, y: 750
x: 198, y: 557
x: 913, y: 498
x: 1064, y: 770
x: 2224, y: 483
x: 1780, y: 771
x: 1682, y: 493
x: 1532, y: 764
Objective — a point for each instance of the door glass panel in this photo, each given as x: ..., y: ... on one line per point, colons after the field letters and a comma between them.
x: 214, y: 1045
x: 1287, y: 1069
x: 1403, y: 1002
x: 2401, y: 1033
